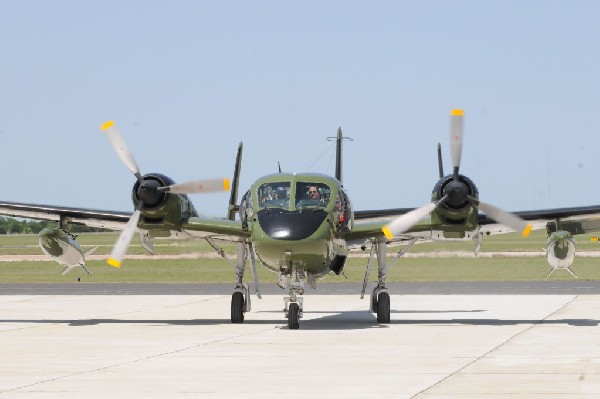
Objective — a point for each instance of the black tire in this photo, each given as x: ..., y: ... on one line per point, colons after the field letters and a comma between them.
x: 383, y: 307
x: 294, y: 316
x: 237, y: 307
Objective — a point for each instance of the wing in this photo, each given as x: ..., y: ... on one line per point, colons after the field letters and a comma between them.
x: 224, y: 229
x: 89, y: 217
x: 197, y: 227
x: 576, y: 220
x: 380, y: 214
x: 371, y: 229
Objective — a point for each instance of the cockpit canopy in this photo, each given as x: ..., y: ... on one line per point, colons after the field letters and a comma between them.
x: 279, y: 203
x: 303, y: 194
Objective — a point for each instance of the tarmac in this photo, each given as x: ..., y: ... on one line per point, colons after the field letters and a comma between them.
x: 184, y: 346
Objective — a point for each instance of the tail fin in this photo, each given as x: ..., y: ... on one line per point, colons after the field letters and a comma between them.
x: 233, y: 206
x: 440, y: 164
x: 90, y: 251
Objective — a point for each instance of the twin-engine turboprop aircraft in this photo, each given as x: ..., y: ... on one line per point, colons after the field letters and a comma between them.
x: 298, y: 225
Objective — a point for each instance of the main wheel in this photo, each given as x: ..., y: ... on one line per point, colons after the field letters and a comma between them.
x: 294, y: 316
x: 237, y: 307
x: 383, y: 307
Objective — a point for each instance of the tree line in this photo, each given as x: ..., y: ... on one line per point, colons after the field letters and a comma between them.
x: 26, y: 226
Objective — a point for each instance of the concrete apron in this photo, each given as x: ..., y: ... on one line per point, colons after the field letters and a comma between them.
x: 437, y: 346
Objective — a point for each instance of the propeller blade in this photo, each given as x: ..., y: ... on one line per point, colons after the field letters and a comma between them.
x: 456, y: 137
x: 198, y: 186
x: 120, y: 147
x: 406, y: 221
x: 506, y: 218
x: 120, y: 248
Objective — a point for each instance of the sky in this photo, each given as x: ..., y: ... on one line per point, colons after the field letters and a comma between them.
x: 186, y: 81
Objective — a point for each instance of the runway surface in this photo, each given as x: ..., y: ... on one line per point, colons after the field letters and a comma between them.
x: 184, y: 346
x: 569, y: 287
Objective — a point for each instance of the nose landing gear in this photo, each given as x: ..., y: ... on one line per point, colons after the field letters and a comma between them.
x: 293, y: 304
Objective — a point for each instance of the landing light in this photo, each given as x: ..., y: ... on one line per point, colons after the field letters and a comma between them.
x: 281, y: 234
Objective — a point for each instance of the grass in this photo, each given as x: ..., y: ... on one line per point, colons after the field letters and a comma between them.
x: 218, y: 271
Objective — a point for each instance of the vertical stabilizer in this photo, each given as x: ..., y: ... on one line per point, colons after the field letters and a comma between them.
x: 440, y: 164
x: 233, y: 207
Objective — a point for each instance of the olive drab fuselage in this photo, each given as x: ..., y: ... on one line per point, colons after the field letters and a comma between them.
x: 298, y: 221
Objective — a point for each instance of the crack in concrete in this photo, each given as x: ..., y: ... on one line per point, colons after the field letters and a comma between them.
x: 494, y: 349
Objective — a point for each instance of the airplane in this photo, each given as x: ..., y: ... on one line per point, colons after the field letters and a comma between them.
x: 300, y: 226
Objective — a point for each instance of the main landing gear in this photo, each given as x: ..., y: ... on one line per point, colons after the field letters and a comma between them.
x: 380, y: 298
x: 240, y: 299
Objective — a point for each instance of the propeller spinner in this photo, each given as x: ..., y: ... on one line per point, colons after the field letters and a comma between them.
x: 149, y: 191
x: 456, y: 192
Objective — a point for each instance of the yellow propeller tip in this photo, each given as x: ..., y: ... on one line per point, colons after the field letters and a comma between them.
x: 226, y: 184
x: 107, y: 125
x: 457, y: 112
x: 527, y: 230
x: 387, y: 233
x: 113, y: 262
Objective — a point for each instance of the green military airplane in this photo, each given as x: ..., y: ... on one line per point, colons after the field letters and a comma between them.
x: 300, y: 226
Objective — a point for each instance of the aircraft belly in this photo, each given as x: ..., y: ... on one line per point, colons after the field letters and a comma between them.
x: 312, y: 255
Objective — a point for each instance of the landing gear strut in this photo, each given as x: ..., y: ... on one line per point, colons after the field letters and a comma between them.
x: 240, y: 300
x: 380, y: 298
x: 294, y: 280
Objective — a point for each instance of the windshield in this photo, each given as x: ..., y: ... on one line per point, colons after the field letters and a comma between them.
x: 274, y: 195
x: 312, y: 194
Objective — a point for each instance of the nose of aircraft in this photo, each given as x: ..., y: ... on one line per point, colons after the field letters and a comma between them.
x: 282, y: 224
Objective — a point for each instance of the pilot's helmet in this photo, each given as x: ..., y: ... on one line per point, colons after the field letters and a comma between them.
x: 280, y: 193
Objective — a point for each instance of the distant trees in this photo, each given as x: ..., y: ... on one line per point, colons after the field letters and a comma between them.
x: 27, y: 226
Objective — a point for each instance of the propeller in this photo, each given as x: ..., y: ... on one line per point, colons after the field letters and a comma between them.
x: 120, y: 147
x: 148, y: 191
x: 456, y: 139
x: 506, y: 218
x: 409, y: 219
x: 456, y: 192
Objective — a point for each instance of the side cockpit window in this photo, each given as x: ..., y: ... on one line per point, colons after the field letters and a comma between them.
x: 341, y: 211
x: 246, y: 209
x: 312, y: 194
x: 274, y: 195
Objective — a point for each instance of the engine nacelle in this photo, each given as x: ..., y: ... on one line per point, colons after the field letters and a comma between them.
x: 161, y: 210
x: 147, y: 190
x: 458, y: 209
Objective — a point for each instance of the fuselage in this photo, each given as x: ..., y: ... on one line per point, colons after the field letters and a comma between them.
x: 297, y: 221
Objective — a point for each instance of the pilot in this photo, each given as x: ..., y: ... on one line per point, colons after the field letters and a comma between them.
x: 313, y: 193
x: 280, y: 193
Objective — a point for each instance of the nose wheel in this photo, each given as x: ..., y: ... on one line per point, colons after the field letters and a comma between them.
x: 294, y: 316
x: 292, y: 305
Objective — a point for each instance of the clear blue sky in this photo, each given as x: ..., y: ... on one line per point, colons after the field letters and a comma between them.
x: 187, y: 80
